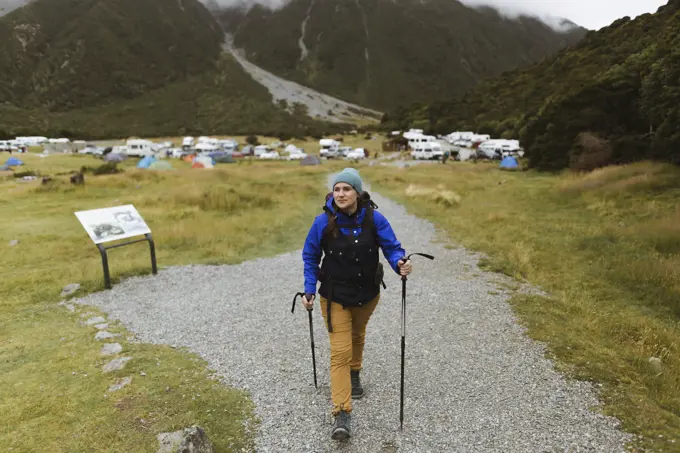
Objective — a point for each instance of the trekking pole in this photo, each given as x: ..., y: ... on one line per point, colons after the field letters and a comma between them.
x: 403, y: 335
x: 311, y: 333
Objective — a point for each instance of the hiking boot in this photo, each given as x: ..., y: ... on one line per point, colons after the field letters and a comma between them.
x: 357, y: 389
x: 341, y: 430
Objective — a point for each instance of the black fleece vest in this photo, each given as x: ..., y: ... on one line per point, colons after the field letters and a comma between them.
x: 350, y: 264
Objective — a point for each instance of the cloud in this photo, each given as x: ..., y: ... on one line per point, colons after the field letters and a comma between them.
x: 591, y: 14
x: 514, y: 9
x: 508, y: 8
x: 271, y: 4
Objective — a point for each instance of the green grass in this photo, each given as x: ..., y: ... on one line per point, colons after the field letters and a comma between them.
x: 54, y: 394
x: 603, y: 245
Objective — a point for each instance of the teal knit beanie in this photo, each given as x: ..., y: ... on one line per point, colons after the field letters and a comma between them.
x: 351, y: 177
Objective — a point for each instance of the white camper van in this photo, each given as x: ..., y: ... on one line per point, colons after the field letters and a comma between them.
x: 427, y: 151
x: 329, y: 147
x: 497, y: 149
x: 415, y: 140
x: 187, y: 142
x: 261, y: 149
x: 138, y: 147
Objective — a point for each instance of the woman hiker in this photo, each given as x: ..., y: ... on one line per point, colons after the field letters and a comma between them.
x: 349, y: 234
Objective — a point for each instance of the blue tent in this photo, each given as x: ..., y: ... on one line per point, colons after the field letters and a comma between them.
x: 509, y: 162
x: 146, y: 162
x: 13, y: 162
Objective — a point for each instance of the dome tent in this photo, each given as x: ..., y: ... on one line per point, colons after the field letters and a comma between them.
x: 160, y: 165
x: 509, y: 163
x: 13, y: 162
x: 310, y: 160
x: 146, y: 162
x: 203, y: 162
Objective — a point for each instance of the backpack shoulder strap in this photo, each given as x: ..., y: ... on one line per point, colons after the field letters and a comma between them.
x: 369, y: 221
x: 324, y: 235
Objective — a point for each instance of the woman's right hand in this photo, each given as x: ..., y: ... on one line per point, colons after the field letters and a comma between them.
x: 308, y: 301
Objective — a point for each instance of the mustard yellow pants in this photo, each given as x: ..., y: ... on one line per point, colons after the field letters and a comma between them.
x: 347, y: 347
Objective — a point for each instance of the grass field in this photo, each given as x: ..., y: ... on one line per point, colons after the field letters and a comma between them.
x: 605, y: 245
x: 53, y: 395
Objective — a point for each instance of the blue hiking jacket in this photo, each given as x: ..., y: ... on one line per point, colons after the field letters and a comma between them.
x: 312, y: 252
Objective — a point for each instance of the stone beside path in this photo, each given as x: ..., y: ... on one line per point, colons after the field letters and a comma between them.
x: 111, y: 349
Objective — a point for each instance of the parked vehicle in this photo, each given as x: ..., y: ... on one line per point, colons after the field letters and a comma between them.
x: 261, y: 149
x: 358, y: 153
x: 344, y: 150
x: 497, y: 149
x: 329, y: 148
x: 139, y: 148
x: 271, y: 155
x: 297, y: 155
x: 428, y: 151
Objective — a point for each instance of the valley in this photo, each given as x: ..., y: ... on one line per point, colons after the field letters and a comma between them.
x: 547, y: 321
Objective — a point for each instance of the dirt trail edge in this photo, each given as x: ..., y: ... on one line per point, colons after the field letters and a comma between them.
x: 474, y: 381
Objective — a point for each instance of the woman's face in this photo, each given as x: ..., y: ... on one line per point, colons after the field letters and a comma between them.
x: 345, y: 196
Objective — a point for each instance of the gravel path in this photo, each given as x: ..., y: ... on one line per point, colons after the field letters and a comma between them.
x: 474, y: 381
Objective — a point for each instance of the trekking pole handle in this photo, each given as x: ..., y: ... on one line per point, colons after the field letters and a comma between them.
x: 407, y: 258
x: 429, y: 257
x: 292, y: 310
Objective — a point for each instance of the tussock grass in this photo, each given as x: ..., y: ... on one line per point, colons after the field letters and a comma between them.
x: 437, y: 195
x: 605, y: 245
x: 54, y: 395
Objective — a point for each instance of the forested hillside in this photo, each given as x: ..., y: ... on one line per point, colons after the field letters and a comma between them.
x: 612, y: 98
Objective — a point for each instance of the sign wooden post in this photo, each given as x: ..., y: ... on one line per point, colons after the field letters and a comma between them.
x: 112, y: 224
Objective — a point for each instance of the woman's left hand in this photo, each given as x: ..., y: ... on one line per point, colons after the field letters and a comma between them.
x: 405, y: 267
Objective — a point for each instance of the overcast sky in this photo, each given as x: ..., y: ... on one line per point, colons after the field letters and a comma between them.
x: 591, y: 14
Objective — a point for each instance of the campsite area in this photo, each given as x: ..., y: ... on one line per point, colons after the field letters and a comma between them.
x: 603, y: 245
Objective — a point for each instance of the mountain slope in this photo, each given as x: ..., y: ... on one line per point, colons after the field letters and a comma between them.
x: 223, y: 101
x: 7, y: 6
x: 621, y: 83
x: 115, y: 68
x: 61, y: 54
x: 382, y: 53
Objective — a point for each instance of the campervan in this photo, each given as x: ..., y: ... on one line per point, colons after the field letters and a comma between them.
x: 270, y: 155
x: 187, y: 142
x: 8, y: 146
x: 454, y: 137
x: 344, y: 150
x: 329, y: 147
x: 208, y: 140
x: 138, y: 147
x: 427, y: 151
x: 261, y: 149
x: 31, y: 141
x: 415, y: 140
x: 411, y: 133
x: 496, y: 149
x: 229, y: 145
x: 464, y: 154
x: 297, y: 154
x: 358, y: 153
